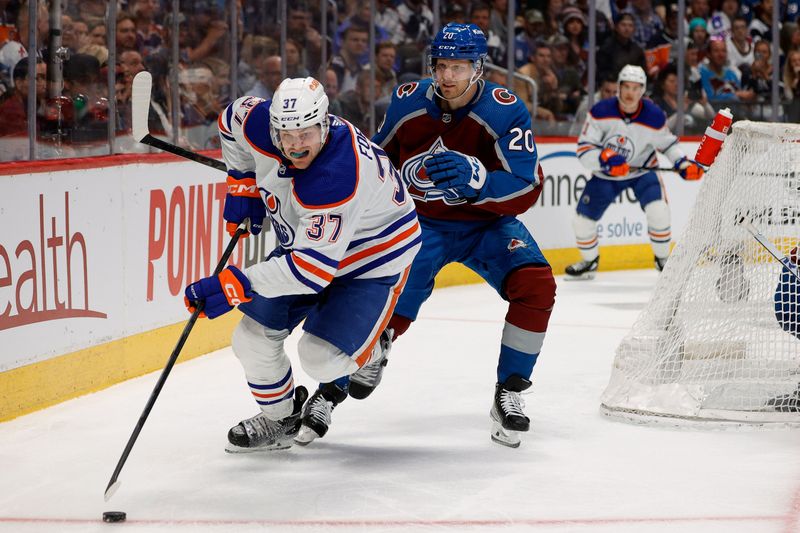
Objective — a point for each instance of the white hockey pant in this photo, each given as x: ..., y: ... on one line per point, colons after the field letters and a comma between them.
x: 658, y: 227
x: 260, y: 351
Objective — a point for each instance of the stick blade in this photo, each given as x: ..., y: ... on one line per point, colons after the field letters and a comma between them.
x: 140, y: 99
x: 111, y: 489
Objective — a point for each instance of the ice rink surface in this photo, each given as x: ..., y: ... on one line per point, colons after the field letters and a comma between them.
x: 416, y: 456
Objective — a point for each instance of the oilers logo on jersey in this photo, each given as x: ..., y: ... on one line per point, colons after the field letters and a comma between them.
x: 283, y: 231
x: 622, y: 144
x: 419, y: 186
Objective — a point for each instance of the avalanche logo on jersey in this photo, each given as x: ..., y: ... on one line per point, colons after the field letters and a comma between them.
x: 419, y: 185
x: 513, y: 244
x: 283, y: 231
x: 622, y: 145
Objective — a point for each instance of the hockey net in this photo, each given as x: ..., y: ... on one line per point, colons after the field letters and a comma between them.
x: 708, y: 347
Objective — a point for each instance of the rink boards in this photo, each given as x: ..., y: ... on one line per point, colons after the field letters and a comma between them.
x: 95, y: 253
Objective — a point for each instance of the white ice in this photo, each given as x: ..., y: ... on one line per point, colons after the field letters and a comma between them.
x: 416, y: 456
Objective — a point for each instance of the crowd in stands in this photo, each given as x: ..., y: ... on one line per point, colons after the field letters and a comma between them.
x: 727, y: 51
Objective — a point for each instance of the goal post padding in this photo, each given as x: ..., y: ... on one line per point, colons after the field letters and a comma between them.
x: 707, y: 347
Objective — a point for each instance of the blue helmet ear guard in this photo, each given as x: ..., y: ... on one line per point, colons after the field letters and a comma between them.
x: 459, y: 41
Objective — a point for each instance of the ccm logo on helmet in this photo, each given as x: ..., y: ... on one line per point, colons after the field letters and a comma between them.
x: 406, y: 89
x: 503, y: 97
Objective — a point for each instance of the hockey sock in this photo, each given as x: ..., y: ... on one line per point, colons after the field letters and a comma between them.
x: 658, y: 227
x: 586, y: 236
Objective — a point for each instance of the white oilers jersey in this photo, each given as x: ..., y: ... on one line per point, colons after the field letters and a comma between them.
x: 346, y: 216
x: 637, y: 137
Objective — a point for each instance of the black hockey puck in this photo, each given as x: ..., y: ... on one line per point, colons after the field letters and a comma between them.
x: 114, y: 516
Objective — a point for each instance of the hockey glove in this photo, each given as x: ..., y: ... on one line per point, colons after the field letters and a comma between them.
x: 243, y: 202
x: 454, y: 171
x: 613, y: 164
x: 688, y: 169
x: 219, y: 294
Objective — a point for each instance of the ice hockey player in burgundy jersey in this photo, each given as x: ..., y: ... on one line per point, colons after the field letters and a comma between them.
x: 466, y: 152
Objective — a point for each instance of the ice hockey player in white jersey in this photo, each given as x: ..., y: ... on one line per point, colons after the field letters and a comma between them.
x: 347, y: 233
x: 618, y: 144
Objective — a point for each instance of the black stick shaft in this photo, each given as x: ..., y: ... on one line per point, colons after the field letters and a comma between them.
x: 170, y: 363
x: 188, y: 154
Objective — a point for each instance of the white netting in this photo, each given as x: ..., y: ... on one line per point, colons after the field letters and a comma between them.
x: 708, y: 346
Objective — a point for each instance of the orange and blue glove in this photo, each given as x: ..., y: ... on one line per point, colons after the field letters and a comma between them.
x: 613, y: 164
x: 243, y: 202
x: 688, y: 169
x: 218, y: 294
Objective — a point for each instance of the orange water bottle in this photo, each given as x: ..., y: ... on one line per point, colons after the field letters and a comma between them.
x: 715, y: 134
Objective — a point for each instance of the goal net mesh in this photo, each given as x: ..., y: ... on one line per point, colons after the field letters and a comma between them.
x: 708, y: 346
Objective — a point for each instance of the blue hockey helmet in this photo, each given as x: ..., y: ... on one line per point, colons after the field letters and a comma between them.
x: 459, y: 41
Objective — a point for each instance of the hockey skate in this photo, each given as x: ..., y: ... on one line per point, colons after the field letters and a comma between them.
x: 661, y: 262
x: 367, y: 378
x: 582, y: 270
x: 786, y: 403
x: 508, y: 417
x: 262, y: 434
x: 317, y: 413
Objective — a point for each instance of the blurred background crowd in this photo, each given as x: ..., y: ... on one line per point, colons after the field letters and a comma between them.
x: 563, y: 55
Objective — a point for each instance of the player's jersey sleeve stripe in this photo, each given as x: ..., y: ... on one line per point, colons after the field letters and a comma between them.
x: 325, y: 260
x: 311, y: 269
x: 394, y: 226
x: 302, y: 279
x: 226, y: 136
x: 379, y: 247
x: 224, y: 124
x: 383, y: 259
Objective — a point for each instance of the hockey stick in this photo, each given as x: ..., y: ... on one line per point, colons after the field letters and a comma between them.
x: 140, y: 98
x: 114, y: 483
x: 769, y: 247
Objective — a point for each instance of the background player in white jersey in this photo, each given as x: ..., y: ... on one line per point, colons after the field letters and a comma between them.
x: 347, y: 234
x: 618, y: 143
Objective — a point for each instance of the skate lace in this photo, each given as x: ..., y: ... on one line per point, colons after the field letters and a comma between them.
x: 320, y: 410
x: 261, y: 427
x: 512, y: 403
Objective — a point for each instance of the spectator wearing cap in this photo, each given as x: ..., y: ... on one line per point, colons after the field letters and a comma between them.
x: 647, y: 23
x: 533, y: 32
x: 570, y: 88
x: 573, y: 22
x: 480, y: 15
x: 14, y: 109
x: 619, y: 49
x: 698, y: 35
x: 663, y: 48
x: 721, y: 21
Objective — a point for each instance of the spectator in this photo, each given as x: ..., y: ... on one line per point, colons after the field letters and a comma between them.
x: 761, y: 25
x: 356, y: 104
x: 148, y: 32
x: 570, y: 88
x: 698, y: 35
x: 126, y: 33
x: 646, y: 22
x: 532, y: 35
x: 698, y: 8
x: 541, y: 70
x: 789, y: 37
x: 269, y: 77
x: 455, y: 13
x: 14, y: 109
x: 720, y: 83
x: 97, y: 51
x: 130, y: 64
x: 619, y: 49
x: 574, y: 23
x: 480, y: 16
x: 67, y: 34
x: 497, y: 19
x: 739, y: 43
x: 387, y: 17
x: 97, y: 33
x: 552, y: 9
x: 359, y: 18
x: 663, y: 48
x: 385, y: 56
x: 300, y: 29
x: 608, y: 88
x: 81, y: 32
x: 294, y: 65
x: 791, y: 87
x: 87, y: 90
x: 759, y: 81
x: 697, y: 110
x: 721, y: 21
x: 692, y: 61
x: 200, y: 106
x: 417, y: 20
x: 13, y: 51
x: 92, y: 11
x: 254, y: 50
x: 346, y: 63
x: 331, y: 84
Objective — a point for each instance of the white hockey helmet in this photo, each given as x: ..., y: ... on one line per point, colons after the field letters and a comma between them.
x: 632, y: 73
x: 298, y: 103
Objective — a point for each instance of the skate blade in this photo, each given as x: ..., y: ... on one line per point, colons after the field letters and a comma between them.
x: 306, y: 436
x: 232, y: 448
x: 586, y: 276
x: 504, y: 436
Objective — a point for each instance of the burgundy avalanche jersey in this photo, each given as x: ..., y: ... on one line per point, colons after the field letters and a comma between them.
x: 495, y: 127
